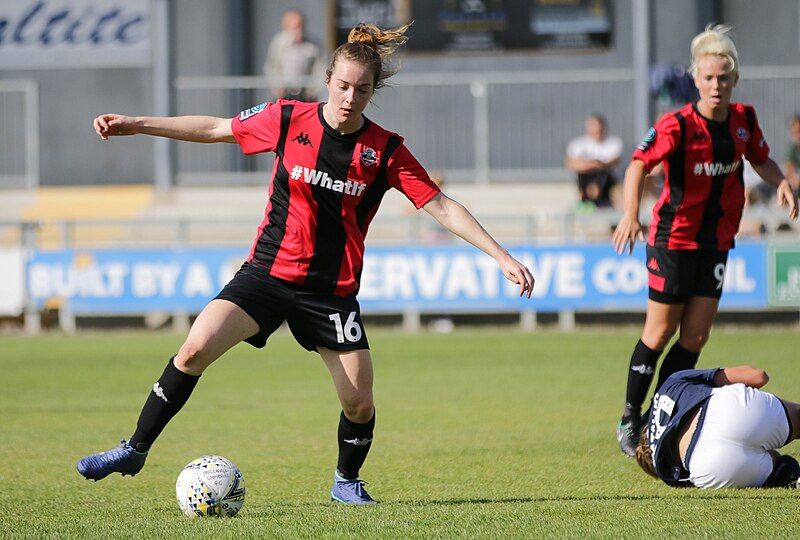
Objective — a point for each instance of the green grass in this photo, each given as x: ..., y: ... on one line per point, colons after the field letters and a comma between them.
x: 487, y: 434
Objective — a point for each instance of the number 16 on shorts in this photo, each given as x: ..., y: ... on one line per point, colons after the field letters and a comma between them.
x: 350, y: 330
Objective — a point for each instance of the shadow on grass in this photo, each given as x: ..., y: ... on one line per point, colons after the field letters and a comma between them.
x: 517, y: 500
x: 673, y: 495
x: 746, y: 494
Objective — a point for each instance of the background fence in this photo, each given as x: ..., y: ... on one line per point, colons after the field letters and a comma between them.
x: 480, y: 127
x: 19, y: 133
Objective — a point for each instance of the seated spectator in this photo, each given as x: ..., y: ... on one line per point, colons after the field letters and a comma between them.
x: 594, y: 157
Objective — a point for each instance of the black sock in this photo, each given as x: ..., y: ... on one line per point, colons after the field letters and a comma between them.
x: 640, y: 375
x: 168, y: 396
x: 355, y: 441
x: 677, y: 359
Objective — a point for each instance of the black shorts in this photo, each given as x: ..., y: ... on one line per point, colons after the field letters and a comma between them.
x: 315, y: 319
x: 675, y: 275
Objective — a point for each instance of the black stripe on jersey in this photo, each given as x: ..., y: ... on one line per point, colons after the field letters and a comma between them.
x: 374, y: 194
x: 677, y: 184
x: 269, y: 242
x: 376, y: 190
x: 724, y: 149
x: 334, y: 157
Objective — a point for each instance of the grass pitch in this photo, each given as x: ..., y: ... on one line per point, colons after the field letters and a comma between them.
x: 490, y: 434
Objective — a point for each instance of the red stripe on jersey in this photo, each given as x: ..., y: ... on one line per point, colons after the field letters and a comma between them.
x: 703, y: 196
x: 299, y: 158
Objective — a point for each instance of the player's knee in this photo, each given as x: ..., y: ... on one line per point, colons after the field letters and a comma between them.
x: 694, y: 342
x: 658, y: 338
x: 359, y: 410
x: 190, y: 359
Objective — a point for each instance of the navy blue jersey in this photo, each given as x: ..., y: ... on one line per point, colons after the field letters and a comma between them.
x: 679, y: 396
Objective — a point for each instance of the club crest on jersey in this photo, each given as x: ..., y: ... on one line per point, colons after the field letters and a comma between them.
x: 252, y: 111
x: 369, y: 157
x: 648, y: 140
x: 741, y: 134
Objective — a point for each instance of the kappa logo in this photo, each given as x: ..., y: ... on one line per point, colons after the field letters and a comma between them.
x: 303, y: 139
x: 369, y: 157
x: 698, y: 136
x: 358, y: 442
x: 157, y: 390
x: 643, y: 369
x: 652, y: 264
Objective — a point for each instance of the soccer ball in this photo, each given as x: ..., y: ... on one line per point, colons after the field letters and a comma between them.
x: 210, y: 486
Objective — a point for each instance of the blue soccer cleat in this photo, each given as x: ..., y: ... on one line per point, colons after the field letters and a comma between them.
x: 350, y: 491
x: 122, y: 459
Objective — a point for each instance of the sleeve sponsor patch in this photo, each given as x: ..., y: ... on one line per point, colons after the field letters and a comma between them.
x: 252, y: 111
x: 648, y: 140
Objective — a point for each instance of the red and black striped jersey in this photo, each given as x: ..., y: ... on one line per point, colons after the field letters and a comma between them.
x: 325, y: 190
x: 701, y: 204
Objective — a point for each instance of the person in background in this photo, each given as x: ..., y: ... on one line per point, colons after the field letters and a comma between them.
x: 793, y: 153
x: 333, y: 166
x: 694, y: 221
x: 293, y: 61
x: 593, y: 157
x: 714, y: 429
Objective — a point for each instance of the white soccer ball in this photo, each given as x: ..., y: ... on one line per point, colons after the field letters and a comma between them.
x: 210, y: 486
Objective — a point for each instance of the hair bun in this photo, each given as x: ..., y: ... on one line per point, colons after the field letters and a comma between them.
x: 366, y: 34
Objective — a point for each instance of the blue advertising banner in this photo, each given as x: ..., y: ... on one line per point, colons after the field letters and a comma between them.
x: 131, y: 281
x: 455, y: 278
x: 579, y: 277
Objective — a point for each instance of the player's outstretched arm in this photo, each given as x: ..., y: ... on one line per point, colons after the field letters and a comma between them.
x: 205, y: 129
x: 772, y: 175
x: 459, y: 221
x: 628, y: 230
x: 748, y: 375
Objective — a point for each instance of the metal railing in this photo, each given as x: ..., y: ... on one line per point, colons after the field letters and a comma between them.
x: 503, y: 126
x: 479, y: 127
x: 533, y: 228
x: 474, y: 127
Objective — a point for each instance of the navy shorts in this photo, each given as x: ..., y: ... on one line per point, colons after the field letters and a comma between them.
x: 675, y: 275
x: 315, y: 319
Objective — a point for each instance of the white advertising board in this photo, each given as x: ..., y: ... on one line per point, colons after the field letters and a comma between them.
x: 44, y: 34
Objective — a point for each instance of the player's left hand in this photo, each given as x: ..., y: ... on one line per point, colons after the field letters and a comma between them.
x: 518, y: 273
x: 786, y: 196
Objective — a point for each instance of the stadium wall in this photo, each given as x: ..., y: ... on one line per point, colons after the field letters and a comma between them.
x: 200, y: 46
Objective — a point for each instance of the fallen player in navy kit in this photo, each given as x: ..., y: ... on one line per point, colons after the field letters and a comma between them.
x: 714, y: 428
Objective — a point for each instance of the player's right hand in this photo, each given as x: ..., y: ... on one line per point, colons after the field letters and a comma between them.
x: 114, y: 125
x: 626, y: 233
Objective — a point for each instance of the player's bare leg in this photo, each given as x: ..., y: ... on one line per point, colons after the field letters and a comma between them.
x: 219, y: 327
x: 695, y: 328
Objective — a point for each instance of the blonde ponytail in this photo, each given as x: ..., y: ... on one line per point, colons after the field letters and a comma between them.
x: 715, y: 40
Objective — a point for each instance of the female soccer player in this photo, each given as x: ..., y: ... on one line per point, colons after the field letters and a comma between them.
x: 714, y: 428
x: 696, y: 218
x: 332, y: 168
